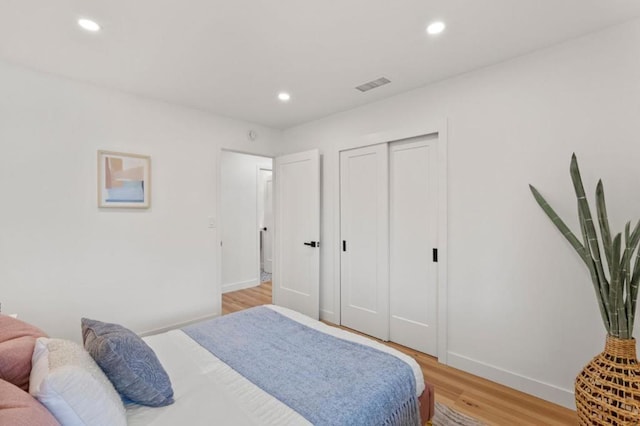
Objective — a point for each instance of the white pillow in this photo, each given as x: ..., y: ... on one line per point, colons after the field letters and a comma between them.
x: 66, y: 380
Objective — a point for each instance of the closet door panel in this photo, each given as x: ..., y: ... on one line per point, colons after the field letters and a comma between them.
x: 413, y: 236
x: 364, y: 231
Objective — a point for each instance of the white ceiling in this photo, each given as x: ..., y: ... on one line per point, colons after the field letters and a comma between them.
x: 233, y: 57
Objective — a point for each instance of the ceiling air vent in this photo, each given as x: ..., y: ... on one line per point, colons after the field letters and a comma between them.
x: 373, y: 84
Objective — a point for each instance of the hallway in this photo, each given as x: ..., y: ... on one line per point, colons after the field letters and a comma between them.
x: 248, y: 298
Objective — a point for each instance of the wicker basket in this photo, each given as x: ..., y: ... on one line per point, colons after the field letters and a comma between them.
x: 608, y: 388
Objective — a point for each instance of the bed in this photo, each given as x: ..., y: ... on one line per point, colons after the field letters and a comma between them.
x: 264, y: 366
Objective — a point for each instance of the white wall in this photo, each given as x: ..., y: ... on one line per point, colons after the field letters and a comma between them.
x: 521, y: 305
x: 239, y: 211
x: 61, y: 257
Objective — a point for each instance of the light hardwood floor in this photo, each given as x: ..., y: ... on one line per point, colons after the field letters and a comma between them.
x: 487, y: 401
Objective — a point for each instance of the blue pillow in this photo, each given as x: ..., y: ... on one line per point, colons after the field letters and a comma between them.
x: 130, y: 364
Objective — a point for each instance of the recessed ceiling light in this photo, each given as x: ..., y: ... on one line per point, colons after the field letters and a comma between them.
x: 283, y: 96
x: 89, y: 25
x: 436, y: 27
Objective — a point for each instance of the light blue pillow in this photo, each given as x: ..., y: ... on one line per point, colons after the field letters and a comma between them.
x: 130, y: 364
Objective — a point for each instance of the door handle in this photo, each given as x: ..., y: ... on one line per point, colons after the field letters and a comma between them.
x: 312, y: 244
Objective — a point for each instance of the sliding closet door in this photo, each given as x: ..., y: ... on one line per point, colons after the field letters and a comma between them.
x: 413, y: 236
x: 364, y: 225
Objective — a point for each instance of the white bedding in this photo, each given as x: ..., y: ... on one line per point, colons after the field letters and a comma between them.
x: 207, y: 391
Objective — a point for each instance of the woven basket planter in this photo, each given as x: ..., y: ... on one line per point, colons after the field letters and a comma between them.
x: 608, y: 388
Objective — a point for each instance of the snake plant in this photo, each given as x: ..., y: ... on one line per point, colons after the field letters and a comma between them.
x: 616, y: 284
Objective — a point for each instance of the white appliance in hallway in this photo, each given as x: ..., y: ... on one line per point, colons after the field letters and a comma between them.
x: 265, y: 198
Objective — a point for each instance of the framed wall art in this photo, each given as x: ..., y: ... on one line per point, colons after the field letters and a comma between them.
x: 124, y: 180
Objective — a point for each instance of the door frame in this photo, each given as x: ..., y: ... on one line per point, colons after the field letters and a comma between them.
x: 440, y: 129
x: 220, y: 222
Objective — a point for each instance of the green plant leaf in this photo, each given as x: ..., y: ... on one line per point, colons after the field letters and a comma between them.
x: 603, y: 221
x: 619, y: 319
x: 635, y: 235
x: 602, y: 294
x: 592, y: 237
x: 635, y: 277
x: 559, y: 223
x: 626, y: 273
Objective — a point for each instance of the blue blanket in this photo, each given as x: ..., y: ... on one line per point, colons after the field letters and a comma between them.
x: 329, y: 381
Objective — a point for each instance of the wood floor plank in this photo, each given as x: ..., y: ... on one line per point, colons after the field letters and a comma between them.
x: 487, y: 401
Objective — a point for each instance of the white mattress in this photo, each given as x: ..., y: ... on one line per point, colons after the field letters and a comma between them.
x: 207, y: 391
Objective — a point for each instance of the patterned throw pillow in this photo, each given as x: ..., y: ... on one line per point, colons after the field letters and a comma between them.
x: 130, y: 364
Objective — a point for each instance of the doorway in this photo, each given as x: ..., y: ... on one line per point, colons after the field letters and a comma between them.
x: 246, y: 216
x: 295, y: 213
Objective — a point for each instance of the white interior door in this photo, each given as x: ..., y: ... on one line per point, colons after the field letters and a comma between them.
x: 267, y: 231
x: 364, y: 224
x: 296, y: 281
x: 413, y: 218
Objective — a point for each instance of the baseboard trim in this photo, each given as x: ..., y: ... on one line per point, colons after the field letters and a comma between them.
x: 177, y: 325
x: 534, y: 387
x: 240, y: 285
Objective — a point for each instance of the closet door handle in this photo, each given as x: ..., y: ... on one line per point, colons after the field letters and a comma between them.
x: 312, y: 244
x: 344, y: 245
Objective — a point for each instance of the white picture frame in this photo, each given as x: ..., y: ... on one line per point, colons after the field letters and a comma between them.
x: 124, y: 180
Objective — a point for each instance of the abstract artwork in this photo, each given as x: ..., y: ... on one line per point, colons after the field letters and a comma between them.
x: 124, y: 180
